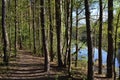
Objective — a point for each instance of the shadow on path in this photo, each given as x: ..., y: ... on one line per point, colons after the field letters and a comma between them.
x: 28, y: 67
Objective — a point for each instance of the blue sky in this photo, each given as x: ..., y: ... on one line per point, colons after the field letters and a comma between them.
x: 94, y: 10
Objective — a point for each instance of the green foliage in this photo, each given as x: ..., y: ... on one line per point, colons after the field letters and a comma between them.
x: 80, y: 71
x: 56, y: 77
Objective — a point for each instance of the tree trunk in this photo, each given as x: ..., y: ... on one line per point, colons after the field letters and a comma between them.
x: 116, y: 32
x: 4, y: 34
x: 15, y: 21
x: 51, y: 32
x: 46, y: 53
x: 100, y: 38
x: 58, y: 32
x: 33, y: 26
x: 68, y: 33
x: 76, y: 60
x: 66, y: 30
x: 19, y: 34
x: 89, y: 42
x: 30, y: 25
x: 70, y: 38
x: 9, y: 26
x: 110, y: 39
x: 20, y: 30
x: 119, y: 71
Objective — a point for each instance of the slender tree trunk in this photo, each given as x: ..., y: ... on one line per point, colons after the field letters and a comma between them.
x: 15, y: 21
x: 100, y: 38
x: 51, y: 31
x: 58, y: 32
x: 20, y: 32
x: 66, y: 10
x: 76, y: 60
x: 4, y: 34
x: 9, y: 25
x: 39, y: 36
x: 110, y: 39
x: 46, y: 53
x: 33, y: 26
x: 30, y: 25
x: 19, y: 35
x: 119, y: 71
x: 70, y: 35
x: 116, y: 31
x: 118, y: 55
x: 38, y: 32
x: 89, y: 42
x: 10, y: 45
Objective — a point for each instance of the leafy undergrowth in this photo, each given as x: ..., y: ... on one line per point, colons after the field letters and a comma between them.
x: 80, y: 71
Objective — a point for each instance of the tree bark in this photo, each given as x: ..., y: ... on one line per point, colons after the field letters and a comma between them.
x: 89, y: 42
x: 51, y: 32
x: 70, y: 38
x: 30, y: 24
x: 58, y: 32
x: 15, y: 21
x: 100, y: 38
x: 20, y: 38
x: 116, y: 32
x: 44, y: 42
x: 9, y: 26
x: 4, y: 34
x: 110, y: 39
x: 33, y: 26
x: 66, y: 30
x: 76, y: 60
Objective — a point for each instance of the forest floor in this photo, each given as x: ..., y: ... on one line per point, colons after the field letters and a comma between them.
x: 28, y: 67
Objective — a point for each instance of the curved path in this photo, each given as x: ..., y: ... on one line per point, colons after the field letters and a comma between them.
x: 28, y: 67
x: 25, y: 67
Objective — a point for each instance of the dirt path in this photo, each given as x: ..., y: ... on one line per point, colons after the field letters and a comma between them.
x: 26, y: 67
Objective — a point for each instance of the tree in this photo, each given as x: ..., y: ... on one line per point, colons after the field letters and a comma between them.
x: 33, y: 26
x: 51, y: 31
x: 116, y: 32
x: 4, y: 34
x: 44, y: 42
x: 67, y: 30
x: 100, y: 38
x: 15, y: 21
x: 58, y: 32
x: 70, y: 38
x: 110, y: 39
x: 30, y: 24
x: 9, y: 35
x: 76, y: 60
x: 20, y: 33
x: 68, y: 33
x: 89, y: 42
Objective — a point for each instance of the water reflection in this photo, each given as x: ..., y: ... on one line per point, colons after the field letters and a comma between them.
x: 83, y: 55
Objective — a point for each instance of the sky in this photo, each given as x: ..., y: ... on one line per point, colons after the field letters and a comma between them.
x: 94, y: 12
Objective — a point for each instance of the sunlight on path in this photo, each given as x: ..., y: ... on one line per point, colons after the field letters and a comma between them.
x: 25, y: 67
